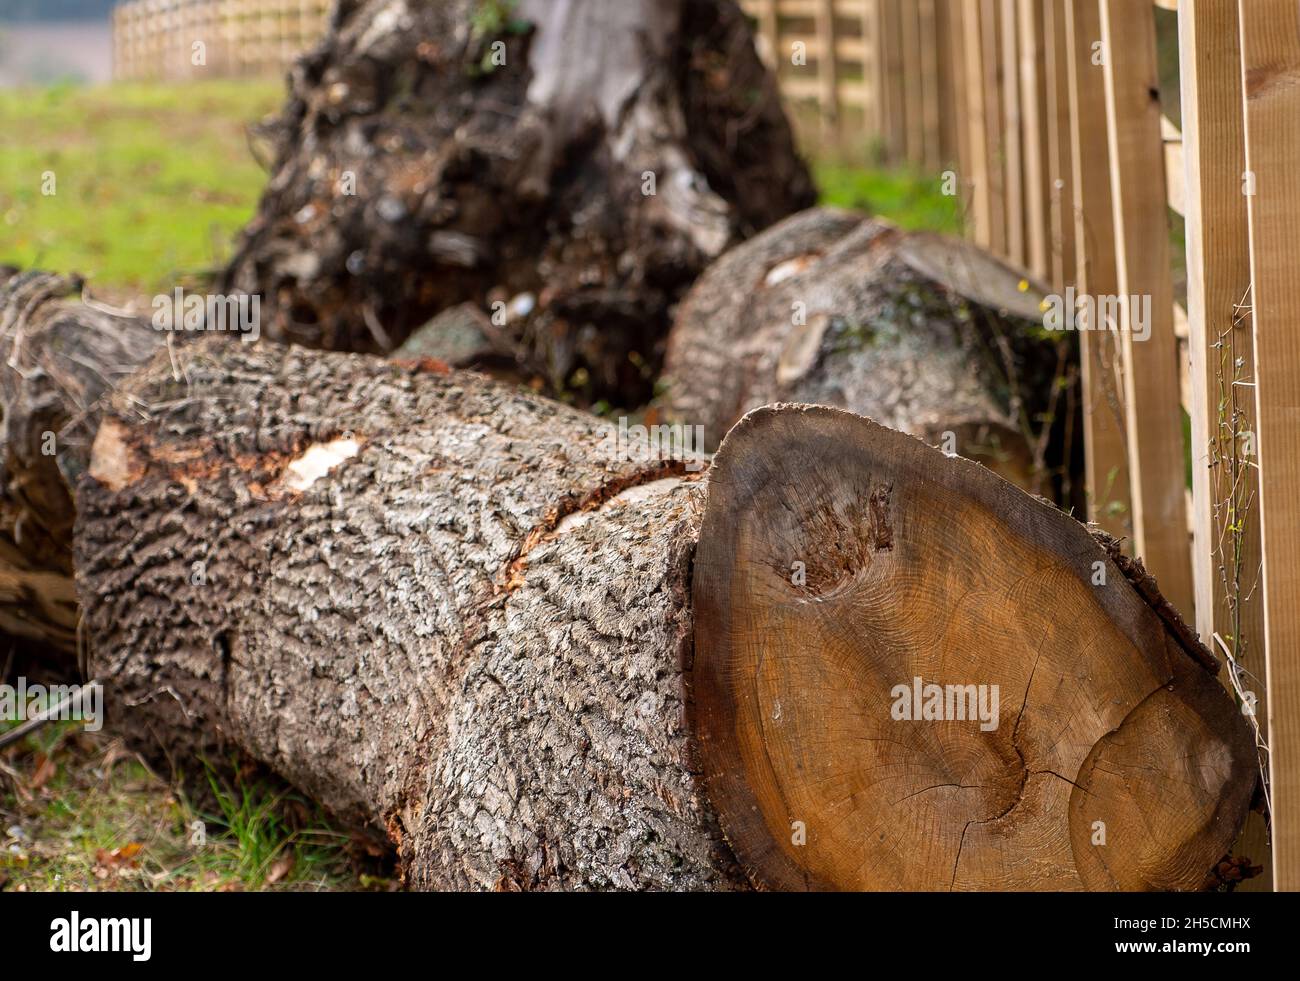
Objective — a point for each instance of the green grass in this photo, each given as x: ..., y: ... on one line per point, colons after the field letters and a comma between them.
x: 151, y: 181
x: 271, y: 835
x: 79, y: 813
x: 907, y: 198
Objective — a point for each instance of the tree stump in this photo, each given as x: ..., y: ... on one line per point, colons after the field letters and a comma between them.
x: 570, y: 167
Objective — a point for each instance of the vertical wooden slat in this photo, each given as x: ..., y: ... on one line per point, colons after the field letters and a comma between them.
x: 1032, y: 87
x: 1109, y: 503
x: 960, y: 102
x: 769, y: 27
x: 990, y: 23
x: 1152, y: 400
x: 869, y: 17
x: 285, y: 53
x: 828, y: 72
x: 928, y: 47
x: 978, y: 109
x: 947, y: 49
x: 1060, y: 171
x: 1012, y: 134
x: 889, y: 30
x: 913, y: 88
x: 1270, y: 50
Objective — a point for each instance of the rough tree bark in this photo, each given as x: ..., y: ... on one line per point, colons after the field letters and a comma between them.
x: 56, y: 362
x: 520, y: 183
x: 919, y: 332
x: 458, y: 612
x: 414, y: 646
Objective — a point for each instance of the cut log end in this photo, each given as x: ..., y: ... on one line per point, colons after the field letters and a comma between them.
x: 909, y: 675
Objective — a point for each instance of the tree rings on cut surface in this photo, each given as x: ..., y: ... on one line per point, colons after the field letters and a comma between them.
x: 911, y: 675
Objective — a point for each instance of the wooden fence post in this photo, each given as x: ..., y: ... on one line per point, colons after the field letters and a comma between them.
x: 1270, y: 49
x: 1152, y: 399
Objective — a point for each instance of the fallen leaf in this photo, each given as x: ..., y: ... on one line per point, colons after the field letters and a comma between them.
x: 124, y: 857
x: 45, y: 769
x: 281, y: 867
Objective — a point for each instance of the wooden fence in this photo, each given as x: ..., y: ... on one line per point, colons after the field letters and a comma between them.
x: 179, y: 39
x: 1049, y: 119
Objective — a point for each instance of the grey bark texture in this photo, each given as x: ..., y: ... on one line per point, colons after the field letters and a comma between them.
x: 921, y: 333
x: 468, y: 626
x: 494, y: 152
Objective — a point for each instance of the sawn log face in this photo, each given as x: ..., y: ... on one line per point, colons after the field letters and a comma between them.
x: 841, y: 564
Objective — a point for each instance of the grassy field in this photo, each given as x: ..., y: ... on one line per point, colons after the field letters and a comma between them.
x: 151, y: 184
x: 909, y: 199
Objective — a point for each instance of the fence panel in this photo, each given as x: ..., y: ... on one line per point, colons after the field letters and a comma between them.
x: 156, y: 39
x: 1048, y: 111
x: 1270, y: 50
x: 1225, y: 486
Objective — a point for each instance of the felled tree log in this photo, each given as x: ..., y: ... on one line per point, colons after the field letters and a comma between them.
x: 57, y: 359
x: 467, y: 616
x: 464, y: 614
x: 493, y: 151
x: 922, y: 333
